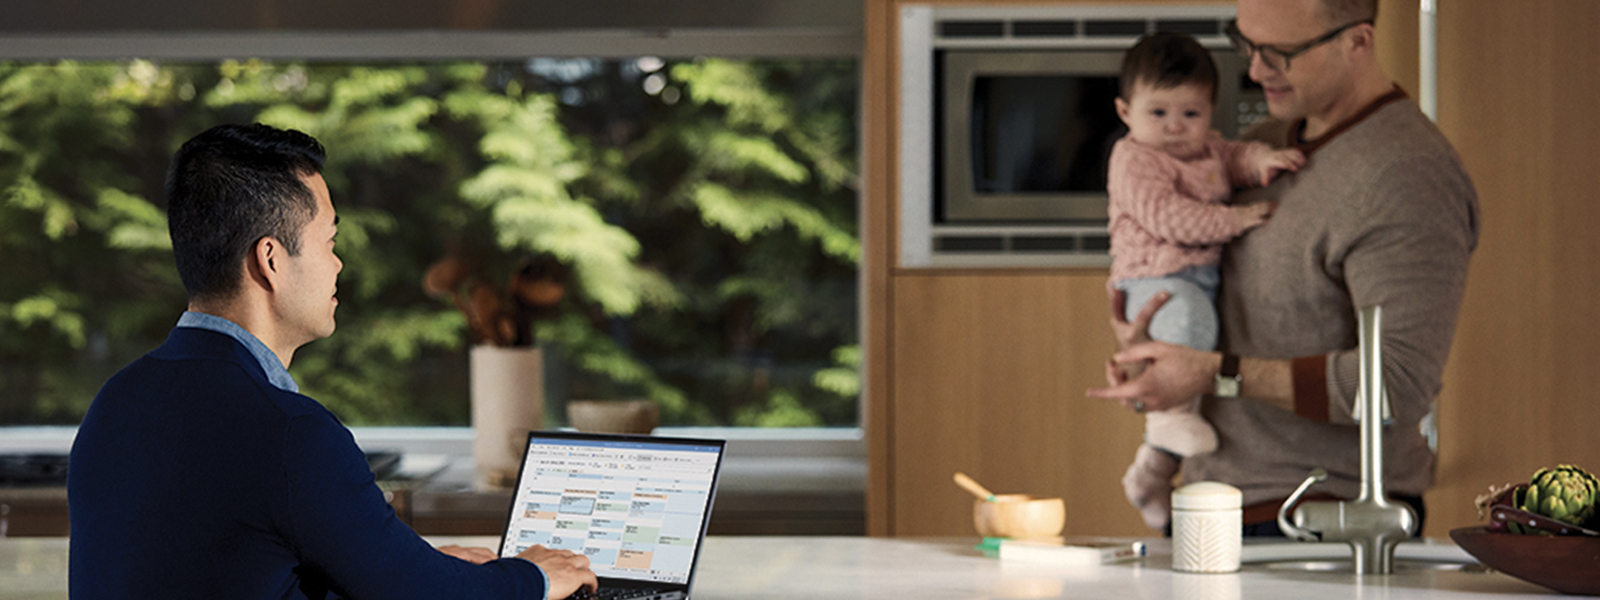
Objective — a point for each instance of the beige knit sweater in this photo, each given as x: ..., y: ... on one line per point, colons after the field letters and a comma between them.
x: 1383, y: 213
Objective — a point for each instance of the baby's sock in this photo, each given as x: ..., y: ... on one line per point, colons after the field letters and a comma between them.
x: 1180, y: 430
x: 1148, y: 485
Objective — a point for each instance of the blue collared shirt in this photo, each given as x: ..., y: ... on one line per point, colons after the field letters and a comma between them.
x: 277, y: 375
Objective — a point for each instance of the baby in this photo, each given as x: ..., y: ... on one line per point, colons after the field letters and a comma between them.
x: 1169, y: 181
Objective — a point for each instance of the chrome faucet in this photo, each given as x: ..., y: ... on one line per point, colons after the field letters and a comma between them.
x: 1372, y: 524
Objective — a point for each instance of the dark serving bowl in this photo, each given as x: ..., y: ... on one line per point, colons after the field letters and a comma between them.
x: 1566, y: 558
x: 1569, y: 564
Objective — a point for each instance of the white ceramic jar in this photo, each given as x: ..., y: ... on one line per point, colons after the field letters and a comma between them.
x: 1206, y: 528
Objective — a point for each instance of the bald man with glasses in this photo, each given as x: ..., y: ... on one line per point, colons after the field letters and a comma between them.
x: 1383, y: 214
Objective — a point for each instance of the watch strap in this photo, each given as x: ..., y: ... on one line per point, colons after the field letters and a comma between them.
x: 1230, y: 366
x: 1227, y: 384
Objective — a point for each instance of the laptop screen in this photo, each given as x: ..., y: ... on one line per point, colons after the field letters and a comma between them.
x: 636, y: 505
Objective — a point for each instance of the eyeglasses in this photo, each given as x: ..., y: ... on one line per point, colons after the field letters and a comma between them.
x: 1274, y: 58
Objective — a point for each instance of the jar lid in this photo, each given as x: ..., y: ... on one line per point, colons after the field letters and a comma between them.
x: 1206, y: 495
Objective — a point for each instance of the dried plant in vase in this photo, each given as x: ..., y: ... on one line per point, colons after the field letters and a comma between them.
x: 507, y: 381
x: 500, y: 316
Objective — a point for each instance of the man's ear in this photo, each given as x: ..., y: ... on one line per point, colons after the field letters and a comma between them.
x: 262, y: 264
x: 1362, y: 38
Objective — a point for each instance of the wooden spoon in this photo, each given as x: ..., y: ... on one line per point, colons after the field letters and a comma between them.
x: 971, y: 486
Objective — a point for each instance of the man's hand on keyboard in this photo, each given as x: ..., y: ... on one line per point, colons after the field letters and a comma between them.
x: 567, y: 570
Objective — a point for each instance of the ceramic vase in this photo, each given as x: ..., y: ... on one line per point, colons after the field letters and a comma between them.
x: 507, y: 403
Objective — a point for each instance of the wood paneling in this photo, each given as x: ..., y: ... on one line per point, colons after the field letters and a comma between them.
x: 989, y: 376
x: 1517, y: 83
x: 1397, y: 41
x: 877, y: 233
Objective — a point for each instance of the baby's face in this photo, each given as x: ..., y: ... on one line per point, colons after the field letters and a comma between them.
x: 1176, y: 119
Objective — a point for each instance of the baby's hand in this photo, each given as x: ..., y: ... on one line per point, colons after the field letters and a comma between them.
x: 1251, y: 215
x: 1272, y: 162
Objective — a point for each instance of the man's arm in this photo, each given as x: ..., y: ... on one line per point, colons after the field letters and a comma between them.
x: 1266, y: 380
x: 1172, y: 374
x: 336, y: 522
x: 1411, y: 257
x: 474, y: 555
x: 1412, y: 261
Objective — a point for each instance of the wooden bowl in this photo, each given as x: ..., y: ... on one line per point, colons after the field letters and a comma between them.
x: 1019, y: 516
x: 1569, y: 564
x: 613, y: 416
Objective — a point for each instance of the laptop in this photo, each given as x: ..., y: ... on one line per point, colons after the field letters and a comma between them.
x: 637, y: 506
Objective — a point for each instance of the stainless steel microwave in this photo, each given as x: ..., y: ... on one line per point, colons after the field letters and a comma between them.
x: 1007, y: 119
x: 1024, y: 136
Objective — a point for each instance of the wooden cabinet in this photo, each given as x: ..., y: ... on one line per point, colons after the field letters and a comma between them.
x: 1516, y: 95
x: 989, y: 374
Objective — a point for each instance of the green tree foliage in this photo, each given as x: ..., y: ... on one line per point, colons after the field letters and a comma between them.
x: 704, y: 209
x: 72, y: 195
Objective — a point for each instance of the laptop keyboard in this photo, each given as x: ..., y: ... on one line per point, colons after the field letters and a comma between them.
x: 613, y: 594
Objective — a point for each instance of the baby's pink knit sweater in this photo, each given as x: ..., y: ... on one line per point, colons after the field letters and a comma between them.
x: 1168, y: 214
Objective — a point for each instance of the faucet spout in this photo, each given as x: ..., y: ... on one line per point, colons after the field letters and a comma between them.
x: 1372, y: 523
x: 1372, y: 404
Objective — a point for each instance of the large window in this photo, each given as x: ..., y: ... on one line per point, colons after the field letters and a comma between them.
x: 681, y: 230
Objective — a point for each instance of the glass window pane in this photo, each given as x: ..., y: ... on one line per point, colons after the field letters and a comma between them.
x: 678, y: 229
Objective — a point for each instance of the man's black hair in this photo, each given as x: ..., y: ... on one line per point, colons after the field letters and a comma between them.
x: 1167, y: 60
x: 228, y: 188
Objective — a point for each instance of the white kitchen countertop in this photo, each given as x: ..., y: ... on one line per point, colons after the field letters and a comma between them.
x: 750, y: 568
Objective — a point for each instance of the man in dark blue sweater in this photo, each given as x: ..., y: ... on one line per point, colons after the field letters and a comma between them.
x: 201, y: 472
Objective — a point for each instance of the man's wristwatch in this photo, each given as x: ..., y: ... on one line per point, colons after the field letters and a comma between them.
x: 1228, y: 377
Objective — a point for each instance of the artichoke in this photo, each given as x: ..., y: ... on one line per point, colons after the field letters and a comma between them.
x: 1565, y: 493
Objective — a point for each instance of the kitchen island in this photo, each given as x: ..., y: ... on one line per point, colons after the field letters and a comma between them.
x: 748, y: 568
